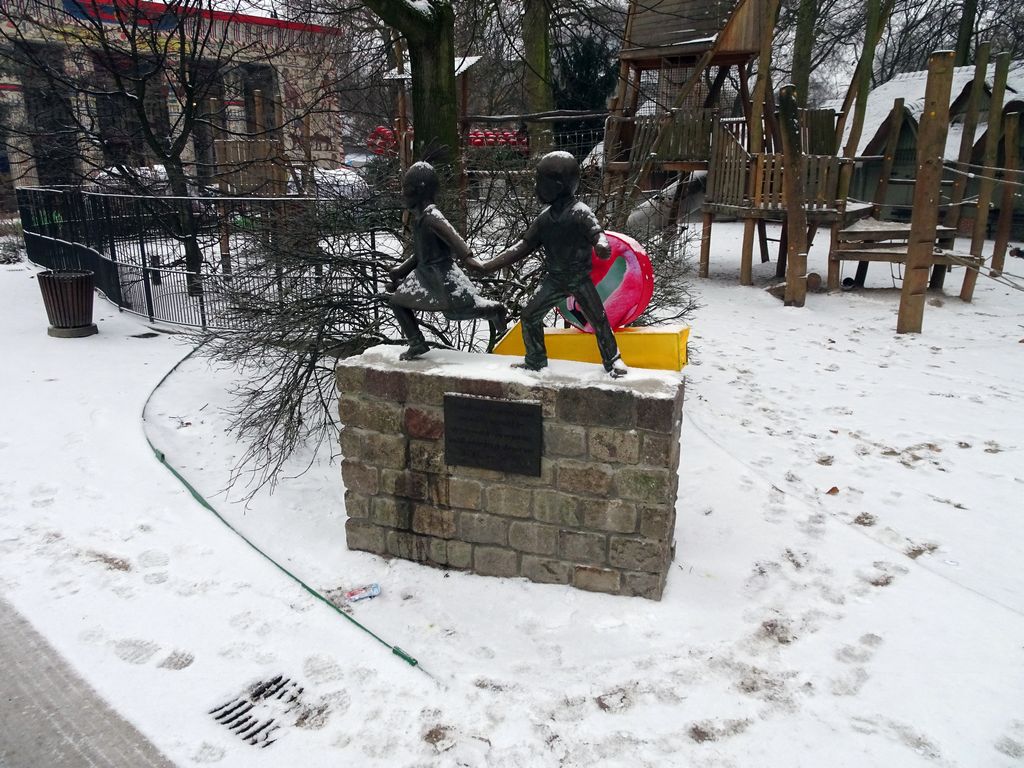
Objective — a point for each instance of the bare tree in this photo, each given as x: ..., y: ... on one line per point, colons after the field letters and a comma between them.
x: 131, y: 95
x: 428, y: 27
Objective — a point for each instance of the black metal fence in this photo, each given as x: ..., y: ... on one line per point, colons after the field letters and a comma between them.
x: 185, y: 260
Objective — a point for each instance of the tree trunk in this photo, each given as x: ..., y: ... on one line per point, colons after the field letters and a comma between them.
x: 965, y: 33
x: 435, y: 103
x: 537, y: 79
x: 803, y: 43
x: 430, y: 35
x: 187, y: 229
x: 863, y: 83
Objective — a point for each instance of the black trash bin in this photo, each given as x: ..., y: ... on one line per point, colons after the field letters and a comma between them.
x: 67, y: 296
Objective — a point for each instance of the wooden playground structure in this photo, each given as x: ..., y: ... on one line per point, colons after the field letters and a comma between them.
x: 777, y: 162
x: 670, y: 89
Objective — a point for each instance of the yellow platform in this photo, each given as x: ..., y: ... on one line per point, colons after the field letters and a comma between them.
x: 662, y: 347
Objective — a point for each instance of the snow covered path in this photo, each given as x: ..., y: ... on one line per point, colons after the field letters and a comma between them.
x: 877, y: 626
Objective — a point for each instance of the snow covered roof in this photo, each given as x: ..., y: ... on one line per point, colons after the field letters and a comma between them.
x: 255, y: 13
x: 462, y: 63
x: 910, y: 86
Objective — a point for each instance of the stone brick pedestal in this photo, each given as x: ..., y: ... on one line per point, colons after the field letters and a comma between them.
x: 600, y: 516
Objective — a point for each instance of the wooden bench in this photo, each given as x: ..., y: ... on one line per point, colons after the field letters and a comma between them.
x: 888, y: 241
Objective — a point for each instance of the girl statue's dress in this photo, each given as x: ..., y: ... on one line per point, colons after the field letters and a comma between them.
x: 430, y: 280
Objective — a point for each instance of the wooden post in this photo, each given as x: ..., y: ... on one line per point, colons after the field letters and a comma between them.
x: 307, y: 155
x: 1011, y: 160
x: 987, y: 183
x: 762, y: 240
x: 224, y: 241
x: 257, y: 108
x: 895, y: 124
x: 952, y: 217
x: 402, y: 126
x: 755, y: 137
x: 863, y: 85
x: 622, y: 94
x: 931, y: 140
x: 743, y: 73
x: 705, y: 245
x: 464, y: 136
x: 794, y: 195
x: 889, y: 157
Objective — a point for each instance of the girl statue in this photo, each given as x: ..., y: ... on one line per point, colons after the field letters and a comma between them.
x: 430, y: 280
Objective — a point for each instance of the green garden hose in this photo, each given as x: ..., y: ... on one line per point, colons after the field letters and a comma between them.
x: 162, y: 458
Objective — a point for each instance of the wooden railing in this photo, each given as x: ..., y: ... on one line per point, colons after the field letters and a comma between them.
x: 688, y: 138
x: 729, y: 184
x: 727, y: 171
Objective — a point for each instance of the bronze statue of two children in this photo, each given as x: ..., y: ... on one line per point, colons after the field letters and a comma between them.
x: 566, y: 230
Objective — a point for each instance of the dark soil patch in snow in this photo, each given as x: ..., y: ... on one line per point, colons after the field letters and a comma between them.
x: 112, y: 563
x: 312, y: 717
x: 706, y: 730
x: 914, y: 551
x: 866, y: 519
x: 436, y: 735
x: 1010, y: 748
x: 797, y: 560
x: 490, y: 685
x: 778, y: 630
x: 614, y: 701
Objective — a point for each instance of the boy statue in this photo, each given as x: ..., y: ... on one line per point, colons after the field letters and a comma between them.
x: 567, y: 230
x: 429, y: 280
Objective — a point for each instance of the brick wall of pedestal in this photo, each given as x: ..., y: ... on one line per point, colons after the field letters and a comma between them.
x: 601, y: 515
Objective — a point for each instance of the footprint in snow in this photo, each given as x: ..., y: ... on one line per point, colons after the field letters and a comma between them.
x: 154, y: 558
x: 861, y: 652
x: 177, y: 660
x: 135, y: 651
x: 322, y: 669
x: 208, y: 753
x: 850, y: 683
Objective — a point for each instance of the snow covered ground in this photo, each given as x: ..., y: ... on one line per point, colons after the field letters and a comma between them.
x: 881, y: 624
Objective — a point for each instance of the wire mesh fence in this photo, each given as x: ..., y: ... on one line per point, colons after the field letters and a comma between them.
x: 188, y: 261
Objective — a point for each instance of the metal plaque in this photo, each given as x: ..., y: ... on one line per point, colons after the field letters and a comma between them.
x: 493, y: 434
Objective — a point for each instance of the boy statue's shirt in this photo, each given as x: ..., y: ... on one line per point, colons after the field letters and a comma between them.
x: 567, y: 239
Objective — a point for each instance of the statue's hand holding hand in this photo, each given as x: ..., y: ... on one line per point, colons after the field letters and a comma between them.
x: 394, y: 278
x: 475, y: 265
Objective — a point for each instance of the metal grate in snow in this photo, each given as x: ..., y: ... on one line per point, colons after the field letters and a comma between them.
x: 256, y: 715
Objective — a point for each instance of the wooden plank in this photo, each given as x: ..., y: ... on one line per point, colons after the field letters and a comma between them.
x: 795, y: 194
x: 745, y: 26
x: 1011, y: 160
x: 824, y: 196
x: 952, y: 218
x: 872, y: 246
x: 931, y: 139
x: 987, y: 184
x: 778, y: 179
x: 819, y: 131
x: 900, y: 257
x: 895, y: 231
